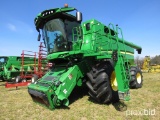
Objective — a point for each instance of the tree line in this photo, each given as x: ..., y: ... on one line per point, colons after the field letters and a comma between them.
x: 155, y: 60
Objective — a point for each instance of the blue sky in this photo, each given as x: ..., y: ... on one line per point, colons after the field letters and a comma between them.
x: 139, y: 20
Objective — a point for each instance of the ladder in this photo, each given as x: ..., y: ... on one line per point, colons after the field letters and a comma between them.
x: 121, y: 66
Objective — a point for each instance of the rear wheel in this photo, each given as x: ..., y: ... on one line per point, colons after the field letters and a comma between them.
x: 136, y: 80
x: 102, y: 83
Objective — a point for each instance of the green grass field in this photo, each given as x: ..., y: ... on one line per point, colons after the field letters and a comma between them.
x: 144, y: 105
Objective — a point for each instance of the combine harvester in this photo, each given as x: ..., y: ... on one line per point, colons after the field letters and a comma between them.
x: 88, y: 53
x: 34, y: 71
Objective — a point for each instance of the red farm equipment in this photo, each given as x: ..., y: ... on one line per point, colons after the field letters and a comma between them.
x: 30, y: 72
x: 42, y: 63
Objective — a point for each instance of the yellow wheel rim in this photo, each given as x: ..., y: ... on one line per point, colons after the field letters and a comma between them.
x: 138, y: 76
x: 114, y: 84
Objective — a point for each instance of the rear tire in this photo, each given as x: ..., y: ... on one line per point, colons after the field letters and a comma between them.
x: 34, y: 78
x: 99, y: 84
x: 136, y: 80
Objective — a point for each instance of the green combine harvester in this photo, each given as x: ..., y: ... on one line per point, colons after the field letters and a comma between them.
x: 11, y: 67
x: 88, y: 53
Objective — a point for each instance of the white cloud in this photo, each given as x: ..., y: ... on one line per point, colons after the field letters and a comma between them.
x: 20, y: 27
x: 11, y: 27
x: 31, y: 31
x: 25, y: 27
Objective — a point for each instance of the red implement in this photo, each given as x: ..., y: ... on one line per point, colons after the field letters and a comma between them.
x: 9, y: 85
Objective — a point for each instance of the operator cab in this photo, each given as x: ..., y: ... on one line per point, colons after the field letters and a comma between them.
x: 57, y: 34
x: 57, y: 26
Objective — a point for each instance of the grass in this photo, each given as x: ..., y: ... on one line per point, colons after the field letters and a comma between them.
x: 18, y: 105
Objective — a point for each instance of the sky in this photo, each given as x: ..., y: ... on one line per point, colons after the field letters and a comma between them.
x: 139, y: 20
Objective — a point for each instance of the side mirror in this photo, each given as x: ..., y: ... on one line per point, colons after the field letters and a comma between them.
x: 79, y: 16
x: 39, y: 37
x: 139, y: 51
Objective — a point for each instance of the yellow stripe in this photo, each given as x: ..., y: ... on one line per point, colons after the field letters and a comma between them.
x: 129, y: 53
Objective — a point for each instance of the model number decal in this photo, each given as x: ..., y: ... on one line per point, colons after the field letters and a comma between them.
x: 65, y: 91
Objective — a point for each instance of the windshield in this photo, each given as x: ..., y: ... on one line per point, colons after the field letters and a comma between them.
x: 57, y: 35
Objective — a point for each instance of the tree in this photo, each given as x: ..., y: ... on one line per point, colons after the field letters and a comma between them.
x: 155, y: 60
x: 138, y: 61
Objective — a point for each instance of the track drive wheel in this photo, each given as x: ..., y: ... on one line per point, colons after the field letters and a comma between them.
x: 136, y: 80
x: 102, y: 83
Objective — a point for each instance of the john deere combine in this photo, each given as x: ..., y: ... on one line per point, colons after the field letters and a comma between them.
x: 88, y: 53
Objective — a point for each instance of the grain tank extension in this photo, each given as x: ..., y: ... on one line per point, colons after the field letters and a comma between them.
x: 88, y: 53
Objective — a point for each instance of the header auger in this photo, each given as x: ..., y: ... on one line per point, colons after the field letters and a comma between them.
x: 88, y: 53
